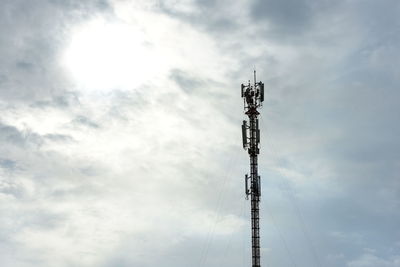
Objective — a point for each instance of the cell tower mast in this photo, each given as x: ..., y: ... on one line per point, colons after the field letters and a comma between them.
x: 253, y: 96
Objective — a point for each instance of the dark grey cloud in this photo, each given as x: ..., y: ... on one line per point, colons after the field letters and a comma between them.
x: 285, y: 17
x: 8, y: 164
x: 212, y: 16
x: 66, y: 100
x: 84, y: 121
x: 58, y: 137
x: 87, y: 7
x: 194, y: 86
x: 27, y: 139
x: 10, y: 134
x: 188, y: 84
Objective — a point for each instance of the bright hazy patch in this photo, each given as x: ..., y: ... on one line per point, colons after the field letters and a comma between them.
x: 109, y: 55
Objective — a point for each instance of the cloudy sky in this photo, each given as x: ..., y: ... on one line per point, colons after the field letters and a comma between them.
x: 120, y: 132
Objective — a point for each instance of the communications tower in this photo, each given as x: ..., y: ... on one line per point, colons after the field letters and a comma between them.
x: 253, y: 96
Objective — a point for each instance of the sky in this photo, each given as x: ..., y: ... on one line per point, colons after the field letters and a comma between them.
x: 120, y: 140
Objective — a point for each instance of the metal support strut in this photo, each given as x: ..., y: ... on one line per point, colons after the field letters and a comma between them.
x: 253, y: 97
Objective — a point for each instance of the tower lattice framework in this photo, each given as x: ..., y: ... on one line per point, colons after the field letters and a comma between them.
x: 253, y: 96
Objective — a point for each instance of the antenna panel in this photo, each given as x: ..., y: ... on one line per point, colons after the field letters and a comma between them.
x: 244, y: 134
x: 242, y: 89
x: 261, y: 92
x: 246, y: 182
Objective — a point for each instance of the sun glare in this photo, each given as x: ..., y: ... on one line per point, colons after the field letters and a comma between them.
x: 105, y: 56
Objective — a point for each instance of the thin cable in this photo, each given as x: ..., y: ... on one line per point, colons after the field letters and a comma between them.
x: 282, y: 237
x: 210, y: 236
x: 244, y: 237
x: 305, y: 231
x: 241, y: 212
x: 297, y: 210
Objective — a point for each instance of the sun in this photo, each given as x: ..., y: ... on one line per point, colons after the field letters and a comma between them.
x: 102, y: 55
